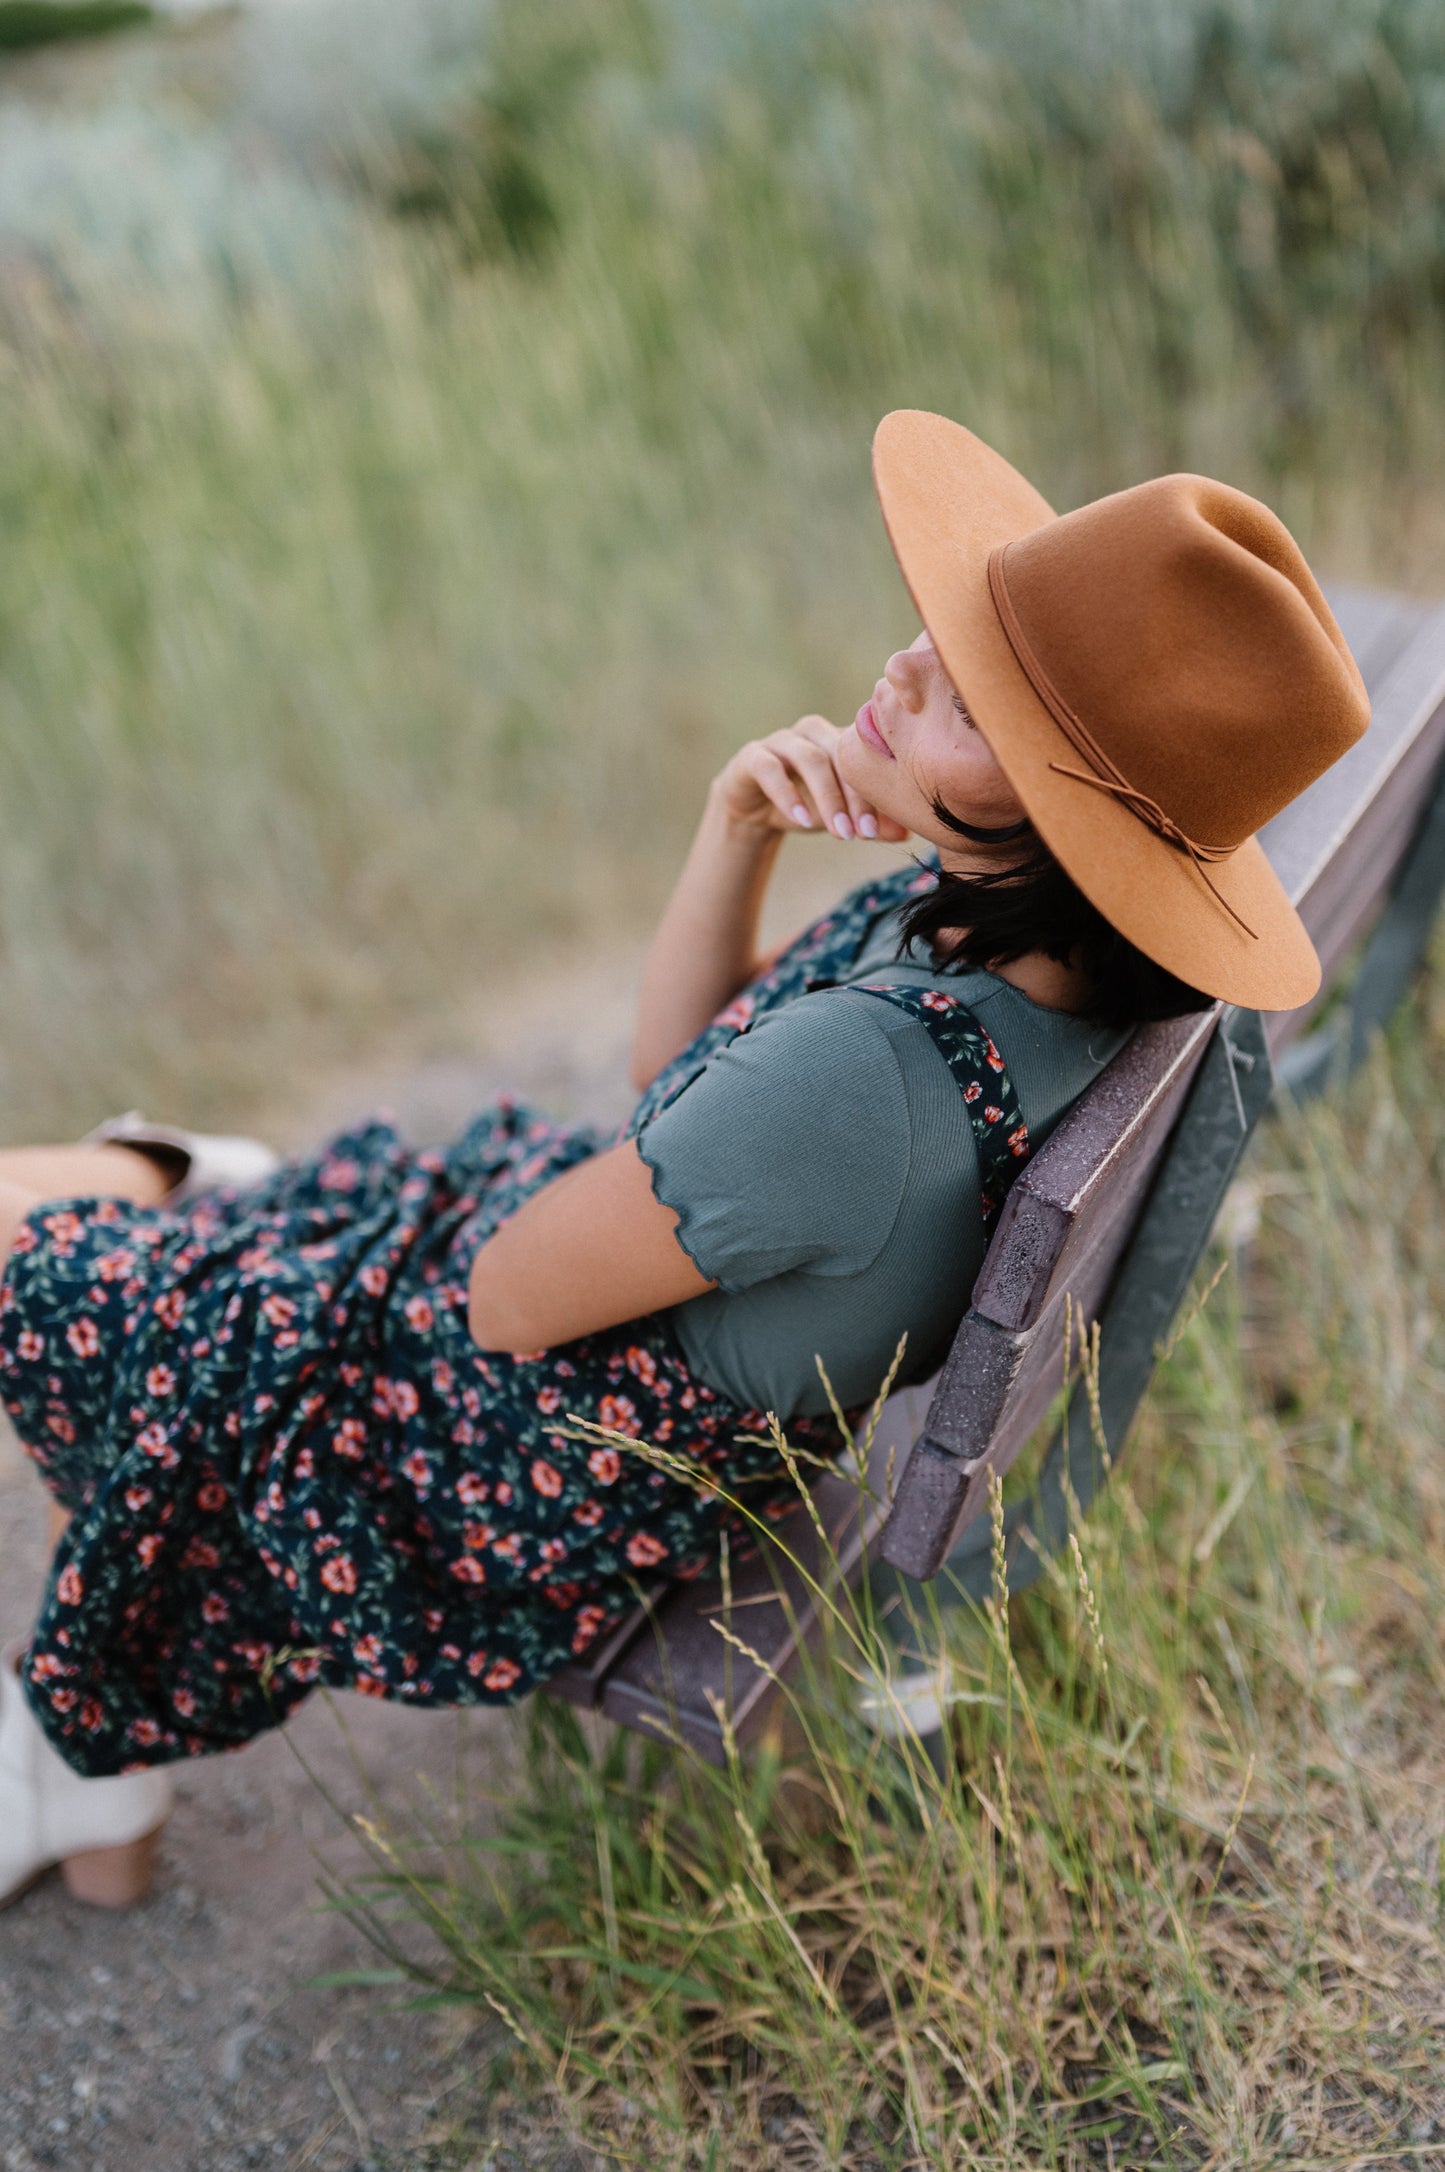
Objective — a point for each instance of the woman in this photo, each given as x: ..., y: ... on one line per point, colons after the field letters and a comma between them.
x: 314, y: 1427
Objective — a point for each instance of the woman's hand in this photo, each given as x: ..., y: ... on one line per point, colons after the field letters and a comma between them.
x: 790, y: 781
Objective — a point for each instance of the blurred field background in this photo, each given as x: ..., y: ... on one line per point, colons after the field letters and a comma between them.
x: 432, y: 437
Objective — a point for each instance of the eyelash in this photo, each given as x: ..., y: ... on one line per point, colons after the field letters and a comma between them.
x: 958, y: 705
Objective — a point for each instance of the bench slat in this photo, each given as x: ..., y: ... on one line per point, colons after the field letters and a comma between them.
x: 669, y: 1676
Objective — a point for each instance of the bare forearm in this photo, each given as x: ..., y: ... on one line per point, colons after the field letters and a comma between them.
x: 705, y: 947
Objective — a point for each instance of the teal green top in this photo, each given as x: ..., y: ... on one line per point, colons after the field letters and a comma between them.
x: 824, y: 1174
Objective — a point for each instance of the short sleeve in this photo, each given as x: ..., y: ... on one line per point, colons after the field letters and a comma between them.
x: 790, y: 1151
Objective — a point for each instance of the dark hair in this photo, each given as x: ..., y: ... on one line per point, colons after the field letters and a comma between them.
x: 1034, y: 905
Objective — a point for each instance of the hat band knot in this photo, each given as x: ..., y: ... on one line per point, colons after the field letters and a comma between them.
x: 1103, y: 773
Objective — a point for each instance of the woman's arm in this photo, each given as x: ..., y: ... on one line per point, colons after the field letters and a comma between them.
x: 705, y: 948
x: 595, y: 1247
x: 591, y: 1249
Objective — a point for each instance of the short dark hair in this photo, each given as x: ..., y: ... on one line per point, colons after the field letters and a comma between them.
x: 1034, y: 905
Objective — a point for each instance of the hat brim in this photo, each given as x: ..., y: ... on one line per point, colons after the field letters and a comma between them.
x: 948, y: 502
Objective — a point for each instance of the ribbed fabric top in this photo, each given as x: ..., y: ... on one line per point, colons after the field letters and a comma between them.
x: 824, y: 1174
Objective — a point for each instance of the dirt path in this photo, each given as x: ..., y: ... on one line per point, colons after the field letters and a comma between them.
x: 184, y: 2037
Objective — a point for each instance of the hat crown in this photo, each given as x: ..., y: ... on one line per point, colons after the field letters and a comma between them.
x: 1181, y: 626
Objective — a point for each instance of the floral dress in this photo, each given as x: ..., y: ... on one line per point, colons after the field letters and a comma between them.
x: 288, y: 1463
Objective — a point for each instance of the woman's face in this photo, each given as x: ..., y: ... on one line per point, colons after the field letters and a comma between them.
x: 914, y: 743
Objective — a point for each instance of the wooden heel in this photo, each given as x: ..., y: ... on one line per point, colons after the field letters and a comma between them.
x: 114, y: 1877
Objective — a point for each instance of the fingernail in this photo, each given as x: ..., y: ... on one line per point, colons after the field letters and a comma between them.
x: 842, y: 825
x: 802, y: 817
x: 867, y: 825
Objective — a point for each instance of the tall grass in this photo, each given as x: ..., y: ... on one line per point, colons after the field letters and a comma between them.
x: 1172, y: 1893
x: 391, y: 546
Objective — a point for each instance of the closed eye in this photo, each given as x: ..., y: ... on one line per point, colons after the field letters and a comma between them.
x: 952, y: 822
x: 968, y: 720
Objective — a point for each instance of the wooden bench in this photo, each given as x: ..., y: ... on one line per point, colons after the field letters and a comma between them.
x: 1111, y: 1216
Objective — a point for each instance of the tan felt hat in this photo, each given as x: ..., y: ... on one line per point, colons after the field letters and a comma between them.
x: 1157, y: 674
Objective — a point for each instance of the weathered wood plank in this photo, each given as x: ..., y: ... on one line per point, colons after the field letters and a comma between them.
x: 672, y: 1678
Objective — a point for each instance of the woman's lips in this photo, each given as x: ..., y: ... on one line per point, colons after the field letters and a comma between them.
x: 866, y: 726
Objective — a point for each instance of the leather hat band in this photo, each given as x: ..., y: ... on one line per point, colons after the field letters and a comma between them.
x: 1103, y: 774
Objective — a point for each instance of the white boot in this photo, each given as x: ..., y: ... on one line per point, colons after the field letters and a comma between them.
x: 202, y: 1158
x: 103, y: 1833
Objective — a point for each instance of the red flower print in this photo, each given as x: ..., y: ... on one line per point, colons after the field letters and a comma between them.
x: 60, y: 1427
x: 160, y: 1380
x: 339, y: 1175
x: 472, y: 1491
x: 404, y: 1399
x: 642, y: 1365
x: 418, y: 1314
x: 184, y: 1702
x: 477, y: 1535
x: 169, y: 1308
x: 30, y: 1345
x: 619, y: 1414
x: 139, y: 1497
x: 373, y: 1279
x: 972, y: 1092
x: 418, y: 1470
x: 150, y: 1548
x: 211, y: 1496
x: 304, y: 1666
x: 69, y: 1589
x: 546, y: 1478
x: 643, y: 1550
x: 1019, y: 1141
x: 349, y: 1439
x: 504, y: 1494
x: 145, y: 1733
x: 214, y: 1608
x: 84, y: 1337
x: 588, y: 1514
x: 589, y: 1621
x: 200, y: 1554
x: 934, y: 1001
x: 366, y: 1651
x: 993, y: 1114
x: 605, y: 1464
x: 549, y: 1401
x: 366, y: 1685
x: 468, y: 1570
x: 154, y: 1441
x: 995, y: 1060
x: 501, y: 1674
x: 92, y: 1715
x: 339, y: 1573
x: 280, y: 1311
x: 64, y: 1228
